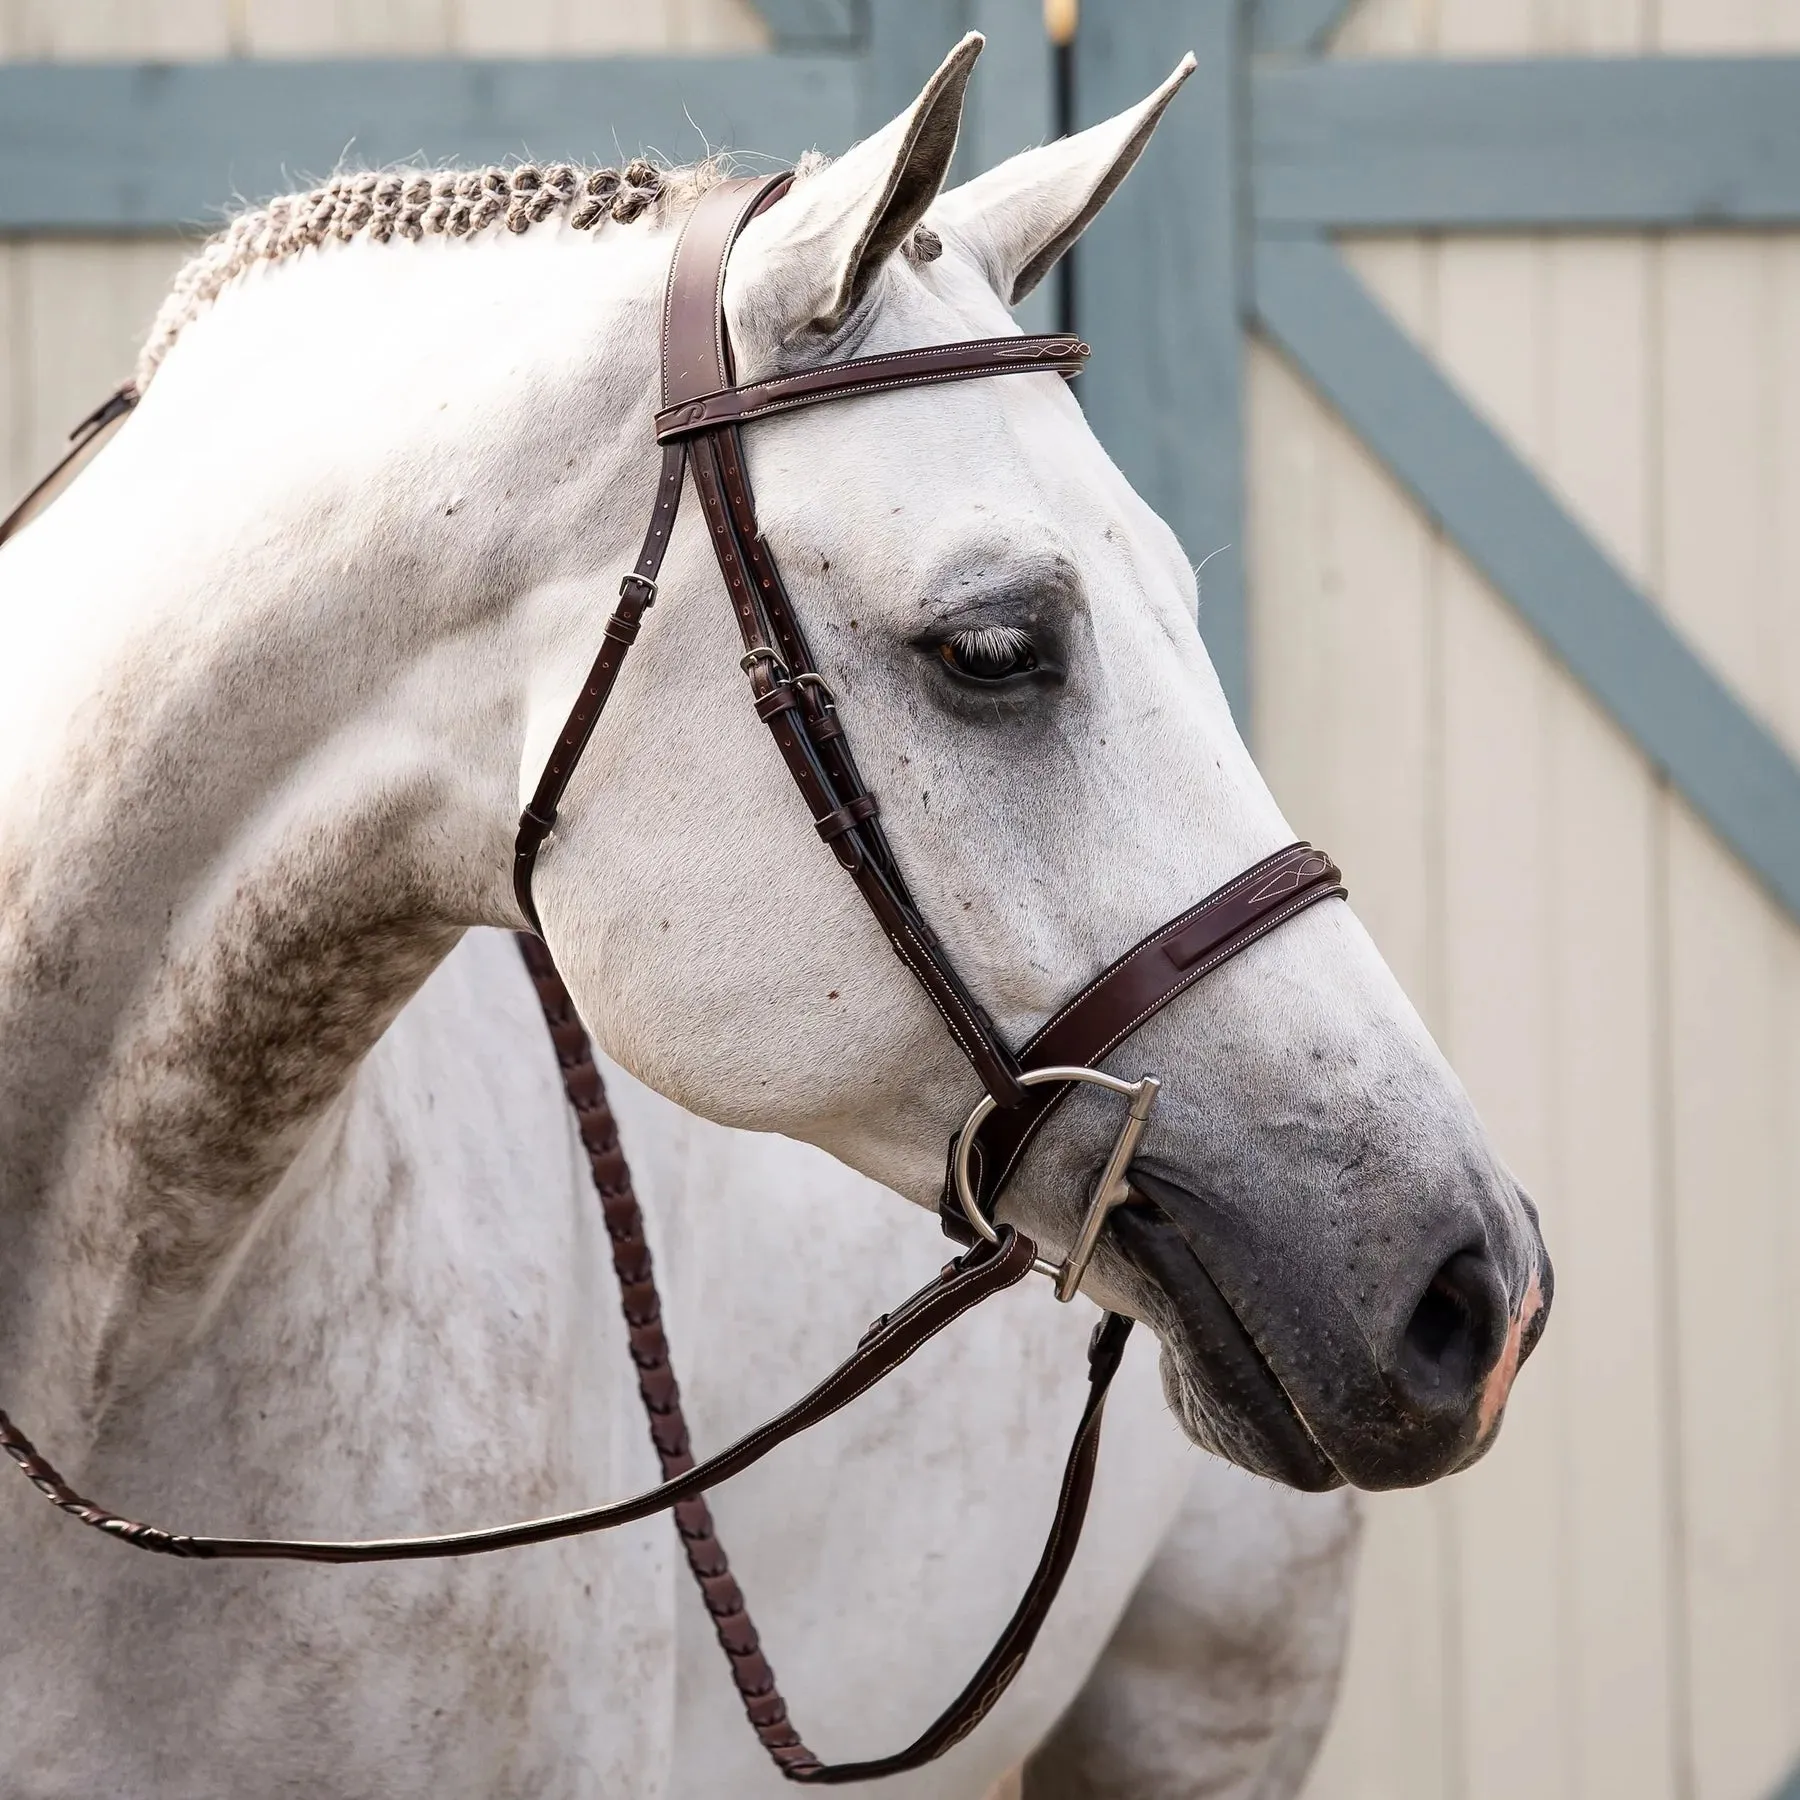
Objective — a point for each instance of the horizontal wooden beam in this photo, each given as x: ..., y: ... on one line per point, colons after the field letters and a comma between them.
x: 1685, y: 720
x: 120, y: 147
x: 1573, y: 143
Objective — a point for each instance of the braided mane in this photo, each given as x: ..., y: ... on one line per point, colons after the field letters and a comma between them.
x: 412, y: 204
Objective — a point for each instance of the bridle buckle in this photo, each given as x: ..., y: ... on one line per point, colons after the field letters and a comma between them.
x: 1109, y: 1191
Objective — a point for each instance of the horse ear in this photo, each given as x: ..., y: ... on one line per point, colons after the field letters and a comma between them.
x: 818, y: 249
x: 1018, y: 219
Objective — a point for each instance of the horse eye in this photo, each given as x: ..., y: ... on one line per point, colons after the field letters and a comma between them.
x: 990, y: 653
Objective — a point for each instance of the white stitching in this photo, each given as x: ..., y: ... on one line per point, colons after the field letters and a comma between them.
x: 1222, y: 954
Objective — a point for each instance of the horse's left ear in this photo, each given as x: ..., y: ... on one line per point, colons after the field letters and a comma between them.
x: 1018, y: 219
x: 809, y: 259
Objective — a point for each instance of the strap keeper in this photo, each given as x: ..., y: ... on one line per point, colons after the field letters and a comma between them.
x: 535, y: 825
x: 846, y: 818
x: 777, y: 700
x: 622, y: 629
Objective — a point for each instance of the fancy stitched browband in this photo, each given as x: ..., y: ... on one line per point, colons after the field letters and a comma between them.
x: 698, y: 426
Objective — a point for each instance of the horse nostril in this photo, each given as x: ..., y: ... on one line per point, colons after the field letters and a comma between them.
x: 1456, y: 1331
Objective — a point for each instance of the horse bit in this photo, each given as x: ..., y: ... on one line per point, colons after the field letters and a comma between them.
x: 699, y: 427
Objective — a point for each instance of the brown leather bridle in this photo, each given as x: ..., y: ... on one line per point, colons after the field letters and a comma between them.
x: 698, y: 426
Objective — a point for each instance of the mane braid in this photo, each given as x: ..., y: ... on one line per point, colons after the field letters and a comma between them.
x: 411, y: 203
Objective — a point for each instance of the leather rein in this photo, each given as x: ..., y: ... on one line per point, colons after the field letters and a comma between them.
x: 698, y: 426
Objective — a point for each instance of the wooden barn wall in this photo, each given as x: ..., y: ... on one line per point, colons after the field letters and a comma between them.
x: 1609, y: 1606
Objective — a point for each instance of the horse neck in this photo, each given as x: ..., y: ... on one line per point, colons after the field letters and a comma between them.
x: 258, y: 769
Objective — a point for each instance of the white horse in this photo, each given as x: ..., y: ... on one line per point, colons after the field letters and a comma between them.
x: 283, y: 661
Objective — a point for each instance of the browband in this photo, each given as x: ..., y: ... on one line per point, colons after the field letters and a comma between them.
x: 895, y: 369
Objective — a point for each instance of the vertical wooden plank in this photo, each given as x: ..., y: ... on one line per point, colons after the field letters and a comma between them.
x: 348, y: 27
x: 168, y: 29
x: 1731, y: 1002
x: 717, y: 25
x: 1729, y: 481
x: 604, y: 27
x: 1614, y: 1311
x: 1399, y: 1727
x: 15, y: 447
x: 1348, y: 672
x: 1782, y: 695
x: 1387, y: 28
x: 1345, y: 640
x: 1497, y: 782
x: 1346, y: 662
x: 536, y: 27
x: 1160, y: 297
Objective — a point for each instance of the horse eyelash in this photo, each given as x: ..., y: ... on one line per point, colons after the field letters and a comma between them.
x: 990, y: 643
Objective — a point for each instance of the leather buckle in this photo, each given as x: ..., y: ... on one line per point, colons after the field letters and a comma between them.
x: 644, y: 583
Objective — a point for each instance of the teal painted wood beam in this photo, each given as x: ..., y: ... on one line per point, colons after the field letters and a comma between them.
x: 1160, y: 297
x: 116, y: 147
x: 1572, y: 143
x: 815, y: 24
x: 1296, y: 27
x: 1687, y: 722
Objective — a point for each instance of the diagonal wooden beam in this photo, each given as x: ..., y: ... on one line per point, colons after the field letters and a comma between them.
x: 1579, y: 142
x: 1686, y: 721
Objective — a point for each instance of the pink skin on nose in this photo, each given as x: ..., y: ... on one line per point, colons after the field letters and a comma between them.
x: 1499, y: 1382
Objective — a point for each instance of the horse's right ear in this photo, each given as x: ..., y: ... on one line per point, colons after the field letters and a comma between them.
x: 809, y: 259
x: 1018, y: 219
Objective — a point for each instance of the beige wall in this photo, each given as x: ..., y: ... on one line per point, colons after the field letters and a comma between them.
x: 1610, y: 1605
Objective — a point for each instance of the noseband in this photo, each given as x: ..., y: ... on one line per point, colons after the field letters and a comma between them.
x: 698, y: 426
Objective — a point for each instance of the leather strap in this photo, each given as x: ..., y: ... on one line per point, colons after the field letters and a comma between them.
x: 927, y: 367
x: 115, y: 406
x: 888, y: 1342
x: 1133, y: 989
x: 754, y: 1679
x: 786, y: 688
x: 637, y: 594
x: 964, y: 1283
